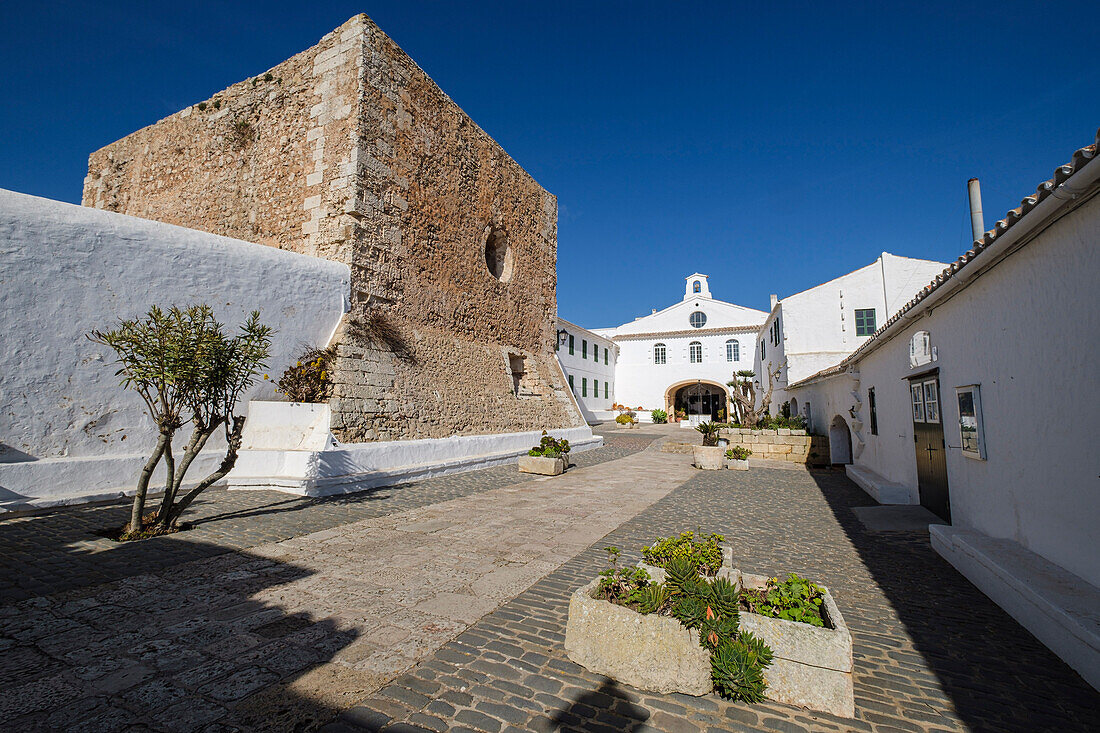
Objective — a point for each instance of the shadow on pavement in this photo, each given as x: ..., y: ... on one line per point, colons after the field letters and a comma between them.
x: 997, y: 675
x: 606, y: 708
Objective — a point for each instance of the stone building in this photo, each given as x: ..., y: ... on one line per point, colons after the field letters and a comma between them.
x: 350, y: 152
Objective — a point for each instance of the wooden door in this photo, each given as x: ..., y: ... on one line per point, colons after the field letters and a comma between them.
x: 931, y: 449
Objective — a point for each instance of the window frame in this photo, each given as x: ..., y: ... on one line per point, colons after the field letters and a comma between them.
x: 692, y: 319
x: 978, y: 452
x: 733, y: 350
x: 692, y: 347
x: 584, y: 348
x: 863, y: 328
x: 584, y: 386
x: 664, y: 353
x: 696, y: 287
x: 571, y: 344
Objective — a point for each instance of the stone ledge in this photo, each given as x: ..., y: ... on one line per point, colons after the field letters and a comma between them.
x: 1055, y: 605
x: 878, y: 488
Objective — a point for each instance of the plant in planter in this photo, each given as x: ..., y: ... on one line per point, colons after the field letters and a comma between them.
x: 626, y: 419
x: 737, y: 457
x: 709, y: 431
x: 644, y: 642
x: 310, y: 379
x: 549, y: 458
x: 793, y: 599
x: 703, y: 553
x: 659, y: 417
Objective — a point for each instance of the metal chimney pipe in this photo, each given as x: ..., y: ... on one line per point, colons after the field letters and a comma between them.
x: 977, y: 222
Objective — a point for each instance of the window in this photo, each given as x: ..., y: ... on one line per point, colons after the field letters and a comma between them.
x: 872, y: 408
x: 696, y: 287
x: 865, y: 321
x: 695, y: 352
x: 733, y: 350
x: 595, y: 388
x: 595, y: 353
x: 571, y: 344
x: 774, y: 331
x: 584, y: 386
x: 659, y: 354
x: 971, y: 427
x: 517, y: 365
x: 605, y: 390
x: 605, y: 355
x: 763, y: 351
x: 931, y: 402
x: 918, y: 403
x: 698, y: 319
x: 584, y: 348
x: 570, y: 381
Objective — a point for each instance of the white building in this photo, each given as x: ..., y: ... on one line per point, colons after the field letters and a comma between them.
x: 976, y: 400
x: 816, y: 328
x: 588, y: 361
x: 683, y: 356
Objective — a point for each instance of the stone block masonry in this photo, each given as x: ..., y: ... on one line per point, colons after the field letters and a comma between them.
x: 349, y: 151
x: 781, y: 445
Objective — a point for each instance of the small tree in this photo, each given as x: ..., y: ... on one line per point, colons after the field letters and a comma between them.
x: 744, y: 394
x: 186, y: 370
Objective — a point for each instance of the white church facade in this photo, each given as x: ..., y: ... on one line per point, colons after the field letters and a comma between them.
x: 681, y: 357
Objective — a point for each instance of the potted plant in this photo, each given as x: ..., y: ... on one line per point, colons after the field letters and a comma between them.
x: 737, y: 458
x: 658, y: 416
x: 548, y: 458
x: 677, y: 635
x: 627, y: 419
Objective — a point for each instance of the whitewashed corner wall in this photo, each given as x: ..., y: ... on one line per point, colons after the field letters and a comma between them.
x: 68, y: 431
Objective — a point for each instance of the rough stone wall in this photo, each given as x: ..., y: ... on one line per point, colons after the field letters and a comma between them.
x: 352, y: 153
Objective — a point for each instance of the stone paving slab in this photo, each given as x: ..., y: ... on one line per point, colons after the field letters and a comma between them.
x: 49, y: 553
x: 283, y: 636
x: 931, y: 653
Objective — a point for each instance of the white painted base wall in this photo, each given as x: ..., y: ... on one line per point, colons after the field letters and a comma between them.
x: 879, y: 488
x: 1061, y: 609
x: 279, y: 453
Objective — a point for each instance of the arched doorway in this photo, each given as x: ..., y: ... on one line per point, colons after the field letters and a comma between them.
x: 840, y: 441
x: 702, y: 401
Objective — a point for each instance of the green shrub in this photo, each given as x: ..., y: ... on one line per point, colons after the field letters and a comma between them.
x: 738, y: 453
x: 704, y: 554
x: 625, y: 418
x: 709, y: 431
x: 794, y: 599
x: 310, y: 379
x: 659, y: 416
x: 549, y: 447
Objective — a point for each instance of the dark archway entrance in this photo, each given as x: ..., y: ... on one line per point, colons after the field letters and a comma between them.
x: 701, y: 401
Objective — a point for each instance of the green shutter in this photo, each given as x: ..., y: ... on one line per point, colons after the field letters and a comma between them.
x: 584, y: 386
x: 571, y: 347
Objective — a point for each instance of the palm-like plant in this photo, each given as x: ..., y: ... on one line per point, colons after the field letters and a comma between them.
x: 709, y: 431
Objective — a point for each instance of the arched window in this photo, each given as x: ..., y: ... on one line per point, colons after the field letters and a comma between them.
x: 733, y: 350
x: 698, y: 319
x: 659, y: 354
x: 695, y: 352
x: 696, y: 287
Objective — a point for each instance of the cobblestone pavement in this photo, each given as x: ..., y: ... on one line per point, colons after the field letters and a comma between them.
x: 285, y: 635
x: 50, y: 553
x: 931, y: 652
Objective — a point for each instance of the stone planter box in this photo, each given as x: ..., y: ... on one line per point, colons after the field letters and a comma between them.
x: 541, y: 465
x: 812, y: 666
x: 738, y: 464
x: 709, y: 457
x: 650, y: 652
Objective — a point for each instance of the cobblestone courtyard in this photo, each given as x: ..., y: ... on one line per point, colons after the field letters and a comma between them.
x: 442, y: 605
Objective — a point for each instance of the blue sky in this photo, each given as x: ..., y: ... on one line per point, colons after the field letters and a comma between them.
x: 771, y: 146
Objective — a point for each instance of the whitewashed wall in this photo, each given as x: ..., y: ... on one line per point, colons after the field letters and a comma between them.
x: 1027, y: 331
x: 818, y: 326
x: 67, y: 430
x: 581, y: 366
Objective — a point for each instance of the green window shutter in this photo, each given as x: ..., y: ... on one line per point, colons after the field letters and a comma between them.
x: 571, y: 346
x: 584, y: 348
x: 584, y: 386
x: 570, y: 381
x: 605, y: 390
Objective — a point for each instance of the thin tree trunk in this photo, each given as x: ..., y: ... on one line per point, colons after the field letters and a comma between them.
x: 138, y: 508
x: 226, y: 466
x: 199, y: 436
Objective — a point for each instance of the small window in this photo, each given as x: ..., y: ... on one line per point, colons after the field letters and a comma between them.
x: 698, y: 319
x: 570, y: 381
x: 584, y: 386
x: 659, y: 355
x: 696, y: 287
x: 971, y: 427
x: 595, y: 388
x: 605, y: 390
x: 571, y: 344
x: 872, y: 408
x: 931, y: 402
x: 865, y: 321
x: 918, y: 403
x: 695, y: 352
x: 596, y: 353
x: 763, y: 350
x: 733, y: 350
x: 605, y: 356
x: 584, y: 348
